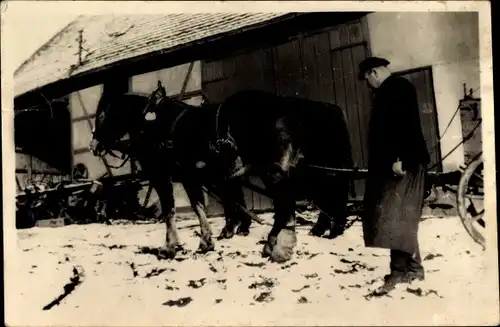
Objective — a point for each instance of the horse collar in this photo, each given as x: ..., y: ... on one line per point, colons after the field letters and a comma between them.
x: 170, y: 141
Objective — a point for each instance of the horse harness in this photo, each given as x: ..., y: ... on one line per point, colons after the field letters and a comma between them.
x: 222, y: 139
x: 169, y: 143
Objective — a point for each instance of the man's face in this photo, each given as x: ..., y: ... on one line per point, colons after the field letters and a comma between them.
x: 372, y: 79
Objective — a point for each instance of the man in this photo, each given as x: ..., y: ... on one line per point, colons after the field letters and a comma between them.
x: 398, y: 158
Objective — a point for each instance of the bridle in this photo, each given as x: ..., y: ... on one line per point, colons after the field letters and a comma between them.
x: 157, y: 97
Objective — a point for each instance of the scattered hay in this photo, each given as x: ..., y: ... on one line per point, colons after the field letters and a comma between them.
x: 420, y: 293
x: 264, y: 297
x: 431, y: 256
x: 301, y: 289
x: 289, y: 265
x: 197, y: 283
x: 182, y: 302
x: 75, y: 280
x: 309, y: 276
x: 265, y: 283
x: 252, y: 264
x: 155, y: 272
x: 134, y: 271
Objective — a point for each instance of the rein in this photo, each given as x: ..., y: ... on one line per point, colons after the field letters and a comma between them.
x: 157, y: 96
x: 226, y: 140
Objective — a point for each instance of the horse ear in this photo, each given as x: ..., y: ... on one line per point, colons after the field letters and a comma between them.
x: 161, y: 89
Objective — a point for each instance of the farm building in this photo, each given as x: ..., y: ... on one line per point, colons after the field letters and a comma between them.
x: 309, y: 55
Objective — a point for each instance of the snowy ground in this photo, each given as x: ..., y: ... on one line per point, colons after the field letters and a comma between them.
x: 326, y: 283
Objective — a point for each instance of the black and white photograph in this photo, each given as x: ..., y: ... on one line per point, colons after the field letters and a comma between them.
x: 239, y: 163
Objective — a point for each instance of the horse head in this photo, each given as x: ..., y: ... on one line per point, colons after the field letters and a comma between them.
x: 116, y: 115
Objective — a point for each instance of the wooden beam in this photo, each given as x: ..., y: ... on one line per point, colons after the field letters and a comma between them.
x: 40, y: 172
x: 82, y: 118
x: 350, y: 45
x: 186, y: 80
x: 81, y: 150
x: 18, y: 183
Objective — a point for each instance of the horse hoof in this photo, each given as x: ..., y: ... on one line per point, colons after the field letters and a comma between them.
x: 317, y: 231
x: 206, y: 247
x: 225, y: 234
x: 267, y: 250
x: 167, y: 253
x: 334, y: 233
x: 283, y: 251
x: 243, y: 231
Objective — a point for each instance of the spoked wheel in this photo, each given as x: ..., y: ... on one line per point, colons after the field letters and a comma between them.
x: 470, y: 199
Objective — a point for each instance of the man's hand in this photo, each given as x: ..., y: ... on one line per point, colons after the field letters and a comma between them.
x: 397, y: 168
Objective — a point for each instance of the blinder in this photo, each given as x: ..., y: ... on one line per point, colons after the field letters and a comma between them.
x: 156, y: 98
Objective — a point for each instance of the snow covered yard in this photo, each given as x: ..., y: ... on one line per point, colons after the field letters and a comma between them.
x: 114, y: 278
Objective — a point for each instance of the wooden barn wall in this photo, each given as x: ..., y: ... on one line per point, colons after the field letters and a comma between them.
x: 172, y: 79
x: 421, y: 78
x: 319, y: 66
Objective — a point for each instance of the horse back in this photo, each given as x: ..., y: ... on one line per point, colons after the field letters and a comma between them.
x: 318, y: 128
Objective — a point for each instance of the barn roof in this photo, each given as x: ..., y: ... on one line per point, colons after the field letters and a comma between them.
x: 109, y: 39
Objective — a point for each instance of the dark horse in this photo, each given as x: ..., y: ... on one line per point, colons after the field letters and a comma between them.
x: 275, y: 138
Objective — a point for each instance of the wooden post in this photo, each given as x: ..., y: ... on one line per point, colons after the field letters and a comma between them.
x: 30, y: 169
x: 108, y: 169
x: 186, y: 80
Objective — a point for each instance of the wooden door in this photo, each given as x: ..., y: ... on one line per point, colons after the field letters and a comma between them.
x: 317, y: 68
x: 422, y: 81
x: 348, y: 44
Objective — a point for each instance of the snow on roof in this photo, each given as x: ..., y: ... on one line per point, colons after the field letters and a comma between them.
x: 110, y: 38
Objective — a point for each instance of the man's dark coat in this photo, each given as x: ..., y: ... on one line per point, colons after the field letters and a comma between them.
x: 393, y: 204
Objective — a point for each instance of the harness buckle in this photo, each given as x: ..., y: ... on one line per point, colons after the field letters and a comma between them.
x: 169, y: 144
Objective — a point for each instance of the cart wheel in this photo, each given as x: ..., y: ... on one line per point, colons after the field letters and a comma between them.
x: 470, y: 197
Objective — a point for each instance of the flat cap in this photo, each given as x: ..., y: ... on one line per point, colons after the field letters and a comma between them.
x: 370, y: 63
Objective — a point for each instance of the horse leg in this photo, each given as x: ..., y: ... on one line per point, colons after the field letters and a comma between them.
x: 166, y: 194
x: 339, y: 211
x: 197, y: 200
x: 282, y: 238
x: 244, y: 220
x: 230, y: 212
x: 331, y: 200
x: 322, y: 198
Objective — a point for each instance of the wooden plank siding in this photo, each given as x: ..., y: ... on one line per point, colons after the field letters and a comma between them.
x: 421, y: 79
x: 349, y: 47
x: 289, y: 69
